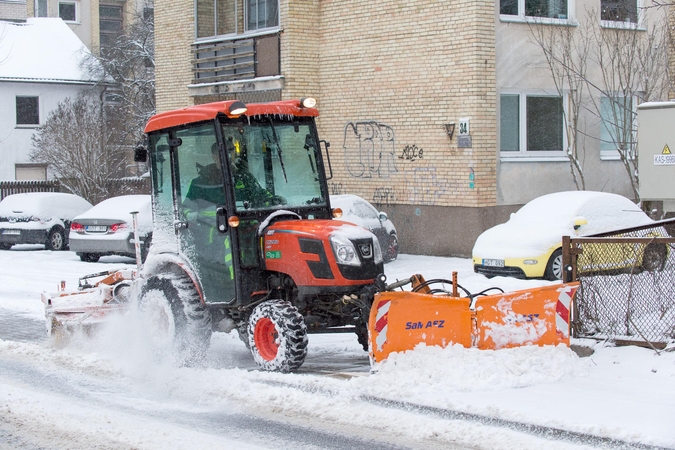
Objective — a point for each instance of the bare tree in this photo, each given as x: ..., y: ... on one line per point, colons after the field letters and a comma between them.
x: 633, y: 68
x: 80, y: 144
x: 566, y: 54
x: 628, y: 67
x: 129, y: 62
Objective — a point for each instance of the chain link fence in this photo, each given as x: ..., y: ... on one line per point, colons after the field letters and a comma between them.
x: 627, y: 284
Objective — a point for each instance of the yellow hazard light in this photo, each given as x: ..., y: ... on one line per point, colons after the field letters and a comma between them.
x: 337, y: 213
x: 233, y: 221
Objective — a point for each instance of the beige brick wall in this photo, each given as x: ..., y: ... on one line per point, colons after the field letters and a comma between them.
x: 174, y: 34
x: 414, y: 67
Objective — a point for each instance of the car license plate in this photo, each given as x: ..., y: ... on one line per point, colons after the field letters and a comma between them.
x: 14, y: 232
x: 96, y: 228
x: 493, y: 262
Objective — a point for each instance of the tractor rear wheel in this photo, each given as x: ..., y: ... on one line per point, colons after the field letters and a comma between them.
x: 277, y: 336
x: 172, y: 312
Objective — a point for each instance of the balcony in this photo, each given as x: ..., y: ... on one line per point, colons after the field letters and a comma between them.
x: 235, y: 59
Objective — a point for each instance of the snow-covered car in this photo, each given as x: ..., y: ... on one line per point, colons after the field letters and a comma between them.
x: 360, y: 212
x: 39, y: 218
x: 529, y: 244
x: 107, y: 228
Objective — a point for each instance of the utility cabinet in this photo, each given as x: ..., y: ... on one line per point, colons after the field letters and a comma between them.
x: 656, y: 152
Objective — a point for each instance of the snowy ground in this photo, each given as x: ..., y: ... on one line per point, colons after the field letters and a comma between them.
x: 110, y: 392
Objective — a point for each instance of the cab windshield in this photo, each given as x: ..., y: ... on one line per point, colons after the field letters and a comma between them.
x: 273, y: 163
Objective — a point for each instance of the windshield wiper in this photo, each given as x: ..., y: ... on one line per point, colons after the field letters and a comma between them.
x: 276, y: 141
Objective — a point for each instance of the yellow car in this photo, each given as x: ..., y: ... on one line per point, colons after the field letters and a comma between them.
x: 529, y: 244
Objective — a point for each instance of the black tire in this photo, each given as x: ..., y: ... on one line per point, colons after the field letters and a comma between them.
x: 277, y: 336
x: 554, y: 268
x: 145, y: 247
x: 172, y: 312
x: 90, y: 257
x: 56, y: 240
x: 654, y: 257
x: 5, y: 246
x: 391, y: 252
x: 362, y: 335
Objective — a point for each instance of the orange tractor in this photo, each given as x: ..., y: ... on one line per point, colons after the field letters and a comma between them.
x: 244, y: 239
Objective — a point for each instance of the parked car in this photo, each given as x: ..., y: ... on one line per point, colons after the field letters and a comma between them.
x: 360, y: 212
x: 107, y: 228
x: 529, y: 244
x: 39, y: 218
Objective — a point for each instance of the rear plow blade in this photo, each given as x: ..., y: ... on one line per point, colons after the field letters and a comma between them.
x: 98, y: 296
x: 401, y: 320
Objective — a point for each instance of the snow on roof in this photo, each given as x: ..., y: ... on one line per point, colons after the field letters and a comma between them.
x: 42, y: 49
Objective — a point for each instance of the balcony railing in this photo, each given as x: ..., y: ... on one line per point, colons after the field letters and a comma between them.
x: 236, y: 59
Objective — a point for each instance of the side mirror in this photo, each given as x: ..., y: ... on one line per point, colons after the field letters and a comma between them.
x: 140, y: 154
x: 579, y: 221
x: 383, y: 216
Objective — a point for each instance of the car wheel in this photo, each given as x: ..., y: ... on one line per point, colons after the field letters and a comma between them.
x: 391, y: 252
x: 554, y: 268
x: 654, y: 257
x: 56, y: 240
x: 90, y: 257
x: 5, y: 246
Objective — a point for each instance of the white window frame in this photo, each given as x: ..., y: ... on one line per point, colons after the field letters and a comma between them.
x: 521, y: 17
x: 625, y: 25
x: 522, y: 154
x: 610, y: 155
x: 77, y: 10
x: 39, y: 112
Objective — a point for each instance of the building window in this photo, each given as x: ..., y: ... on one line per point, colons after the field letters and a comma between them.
x: 28, y: 110
x: 616, y: 127
x: 68, y: 11
x: 215, y: 17
x: 554, y: 9
x: 30, y: 172
x: 262, y: 14
x: 41, y: 6
x: 531, y: 125
x: 625, y: 11
x: 110, y: 24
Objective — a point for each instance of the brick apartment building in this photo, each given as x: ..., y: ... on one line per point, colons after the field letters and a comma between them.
x: 413, y: 97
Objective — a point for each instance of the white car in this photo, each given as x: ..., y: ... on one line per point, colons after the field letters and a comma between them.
x: 107, y: 228
x: 529, y: 244
x: 360, y: 212
x: 39, y: 218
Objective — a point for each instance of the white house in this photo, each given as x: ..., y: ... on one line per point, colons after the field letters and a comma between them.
x: 39, y: 67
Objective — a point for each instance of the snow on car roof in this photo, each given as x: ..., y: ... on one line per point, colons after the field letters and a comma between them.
x: 44, y: 205
x: 120, y: 208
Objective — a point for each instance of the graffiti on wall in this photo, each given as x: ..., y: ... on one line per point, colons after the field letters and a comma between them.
x: 384, y: 196
x: 370, y: 149
x: 425, y: 187
x: 336, y: 189
x: 411, y: 153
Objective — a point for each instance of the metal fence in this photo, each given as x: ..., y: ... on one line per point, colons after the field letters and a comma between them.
x: 20, y: 187
x: 627, y: 284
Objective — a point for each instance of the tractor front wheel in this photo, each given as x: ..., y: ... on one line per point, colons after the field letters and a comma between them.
x: 277, y: 336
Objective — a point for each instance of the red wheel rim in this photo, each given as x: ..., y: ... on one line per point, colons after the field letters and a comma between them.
x: 265, y: 337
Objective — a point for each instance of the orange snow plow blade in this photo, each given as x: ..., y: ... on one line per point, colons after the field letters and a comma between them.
x: 401, y: 320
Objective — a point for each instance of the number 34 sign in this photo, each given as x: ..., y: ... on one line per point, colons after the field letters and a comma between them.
x: 463, y: 127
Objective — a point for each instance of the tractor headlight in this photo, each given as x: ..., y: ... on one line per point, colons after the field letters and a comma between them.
x: 377, y: 251
x: 344, y: 250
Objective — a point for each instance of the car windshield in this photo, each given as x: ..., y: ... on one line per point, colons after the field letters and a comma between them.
x: 273, y: 163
